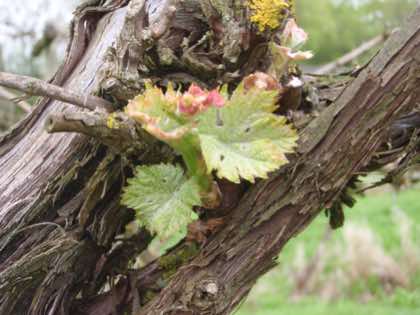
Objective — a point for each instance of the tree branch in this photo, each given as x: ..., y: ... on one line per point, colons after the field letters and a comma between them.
x: 5, y: 94
x: 116, y: 130
x: 352, y: 55
x: 33, y: 86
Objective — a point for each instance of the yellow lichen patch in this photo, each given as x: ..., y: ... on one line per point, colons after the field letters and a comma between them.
x: 112, y: 122
x: 267, y: 14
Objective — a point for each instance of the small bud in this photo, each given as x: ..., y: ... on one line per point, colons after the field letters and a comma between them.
x: 293, y: 36
x: 214, y: 98
x: 196, y: 100
x: 294, y: 83
x: 195, y: 90
x: 299, y: 55
x: 187, y: 105
x: 261, y: 81
x: 172, y: 98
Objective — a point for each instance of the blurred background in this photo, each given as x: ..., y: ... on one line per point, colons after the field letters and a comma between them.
x: 33, y: 39
x: 372, y: 265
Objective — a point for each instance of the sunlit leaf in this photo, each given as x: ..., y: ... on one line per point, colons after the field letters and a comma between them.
x: 245, y: 139
x: 163, y: 198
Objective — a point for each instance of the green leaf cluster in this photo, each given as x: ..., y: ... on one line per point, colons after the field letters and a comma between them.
x: 244, y: 139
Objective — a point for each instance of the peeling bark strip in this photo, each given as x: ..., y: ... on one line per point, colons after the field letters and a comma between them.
x: 73, y: 181
x: 277, y: 209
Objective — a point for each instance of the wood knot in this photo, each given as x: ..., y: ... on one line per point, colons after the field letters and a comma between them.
x: 206, y: 294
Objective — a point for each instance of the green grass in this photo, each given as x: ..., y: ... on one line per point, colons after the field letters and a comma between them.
x: 316, y: 307
x: 272, y: 294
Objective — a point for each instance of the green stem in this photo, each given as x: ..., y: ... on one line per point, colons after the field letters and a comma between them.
x: 196, y: 166
x: 194, y: 161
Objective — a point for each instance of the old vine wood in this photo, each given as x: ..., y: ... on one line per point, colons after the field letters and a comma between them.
x: 62, y: 170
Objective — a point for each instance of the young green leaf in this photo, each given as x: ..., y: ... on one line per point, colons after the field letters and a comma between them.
x: 163, y: 198
x: 156, y: 112
x: 244, y: 139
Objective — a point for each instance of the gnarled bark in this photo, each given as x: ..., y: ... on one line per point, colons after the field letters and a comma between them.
x: 69, y: 180
x: 332, y: 148
x: 59, y: 193
x: 45, y: 178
